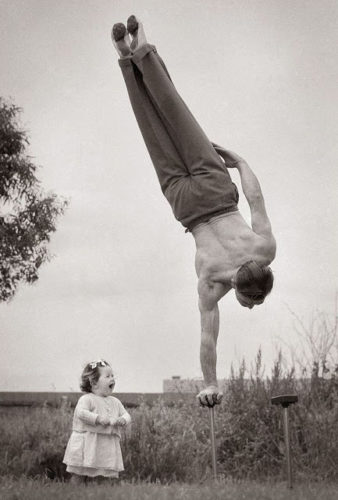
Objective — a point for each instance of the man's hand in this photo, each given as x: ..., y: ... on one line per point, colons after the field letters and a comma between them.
x: 210, y: 396
x: 231, y: 159
x: 103, y: 421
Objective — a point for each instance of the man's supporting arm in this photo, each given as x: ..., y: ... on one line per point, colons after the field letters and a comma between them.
x: 208, y: 355
x: 209, y: 335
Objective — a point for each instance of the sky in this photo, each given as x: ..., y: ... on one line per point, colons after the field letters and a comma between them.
x: 261, y: 78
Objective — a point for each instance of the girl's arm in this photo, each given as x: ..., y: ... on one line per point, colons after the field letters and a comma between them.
x: 84, y: 412
x: 124, y: 418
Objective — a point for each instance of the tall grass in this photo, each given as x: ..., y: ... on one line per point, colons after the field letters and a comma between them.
x: 172, y: 443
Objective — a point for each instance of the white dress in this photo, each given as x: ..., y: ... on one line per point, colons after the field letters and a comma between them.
x: 92, y: 449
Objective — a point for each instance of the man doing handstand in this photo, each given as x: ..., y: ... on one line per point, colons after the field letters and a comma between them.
x: 194, y: 178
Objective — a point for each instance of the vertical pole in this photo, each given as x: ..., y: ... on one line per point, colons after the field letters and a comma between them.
x: 287, y: 445
x: 285, y: 400
x: 213, y: 443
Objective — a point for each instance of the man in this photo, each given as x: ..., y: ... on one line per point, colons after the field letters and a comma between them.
x: 193, y: 174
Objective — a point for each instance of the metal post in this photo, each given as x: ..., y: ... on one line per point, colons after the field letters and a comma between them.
x: 287, y: 445
x: 213, y: 443
x: 285, y: 400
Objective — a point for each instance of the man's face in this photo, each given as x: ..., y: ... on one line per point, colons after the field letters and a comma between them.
x: 105, y: 385
x: 246, y: 301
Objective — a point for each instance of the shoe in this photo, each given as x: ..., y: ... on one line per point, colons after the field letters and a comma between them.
x: 121, y: 40
x: 132, y: 25
x: 118, y: 32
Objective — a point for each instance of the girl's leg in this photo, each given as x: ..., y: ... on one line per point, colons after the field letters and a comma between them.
x: 76, y: 479
x: 112, y: 481
x: 167, y: 161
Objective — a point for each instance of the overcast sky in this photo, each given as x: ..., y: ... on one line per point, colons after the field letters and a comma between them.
x: 261, y: 78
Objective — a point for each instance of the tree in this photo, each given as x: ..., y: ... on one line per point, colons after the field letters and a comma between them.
x: 27, y: 214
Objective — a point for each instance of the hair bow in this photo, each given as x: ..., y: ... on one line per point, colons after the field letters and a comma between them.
x: 99, y: 362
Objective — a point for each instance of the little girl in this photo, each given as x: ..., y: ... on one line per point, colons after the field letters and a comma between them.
x: 94, y: 445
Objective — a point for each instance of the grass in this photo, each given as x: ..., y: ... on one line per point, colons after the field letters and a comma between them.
x: 170, y: 446
x: 40, y: 489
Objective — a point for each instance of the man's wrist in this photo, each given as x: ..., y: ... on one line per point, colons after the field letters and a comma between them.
x: 212, y: 385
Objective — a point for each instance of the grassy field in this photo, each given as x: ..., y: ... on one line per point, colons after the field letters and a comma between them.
x: 166, y: 450
x: 172, y: 444
x: 30, y: 489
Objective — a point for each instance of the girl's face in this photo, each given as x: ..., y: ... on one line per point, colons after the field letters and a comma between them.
x: 105, y: 384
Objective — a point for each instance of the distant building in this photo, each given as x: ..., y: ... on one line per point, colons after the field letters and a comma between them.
x: 193, y: 385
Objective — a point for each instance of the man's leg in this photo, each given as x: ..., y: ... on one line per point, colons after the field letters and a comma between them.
x: 167, y: 161
x: 192, y: 175
x: 210, y: 190
x: 193, y: 145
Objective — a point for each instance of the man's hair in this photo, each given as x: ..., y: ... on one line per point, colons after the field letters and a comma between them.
x: 254, y: 281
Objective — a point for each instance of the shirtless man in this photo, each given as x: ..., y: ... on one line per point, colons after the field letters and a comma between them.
x: 193, y: 174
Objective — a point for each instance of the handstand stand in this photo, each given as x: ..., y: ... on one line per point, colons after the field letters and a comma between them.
x: 194, y: 178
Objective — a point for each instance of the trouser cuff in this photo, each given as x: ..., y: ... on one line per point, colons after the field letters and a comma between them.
x: 137, y: 55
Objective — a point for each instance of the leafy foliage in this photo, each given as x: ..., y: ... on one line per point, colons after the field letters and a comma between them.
x: 27, y: 215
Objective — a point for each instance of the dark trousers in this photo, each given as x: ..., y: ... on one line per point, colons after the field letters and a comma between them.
x: 192, y: 176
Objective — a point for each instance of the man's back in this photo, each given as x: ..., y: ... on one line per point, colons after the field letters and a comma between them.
x: 224, y: 244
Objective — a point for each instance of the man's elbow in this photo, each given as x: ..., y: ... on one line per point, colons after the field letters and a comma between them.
x: 255, y: 199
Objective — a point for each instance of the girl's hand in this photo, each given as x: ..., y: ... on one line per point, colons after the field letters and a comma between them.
x: 103, y: 421
x: 121, y: 421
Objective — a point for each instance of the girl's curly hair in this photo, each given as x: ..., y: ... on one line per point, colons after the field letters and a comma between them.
x: 91, y: 374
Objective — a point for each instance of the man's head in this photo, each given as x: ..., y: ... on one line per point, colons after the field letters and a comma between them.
x: 252, y: 284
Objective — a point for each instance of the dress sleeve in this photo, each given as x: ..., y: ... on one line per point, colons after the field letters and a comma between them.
x: 123, y: 413
x: 84, y: 411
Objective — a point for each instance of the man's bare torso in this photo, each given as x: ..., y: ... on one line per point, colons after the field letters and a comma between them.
x: 224, y: 244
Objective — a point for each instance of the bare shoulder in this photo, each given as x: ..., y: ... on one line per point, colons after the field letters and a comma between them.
x: 270, y: 245
x: 266, y: 248
x: 210, y: 292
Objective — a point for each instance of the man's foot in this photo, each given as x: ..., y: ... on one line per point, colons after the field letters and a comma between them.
x: 121, y: 39
x: 135, y: 29
x: 210, y: 396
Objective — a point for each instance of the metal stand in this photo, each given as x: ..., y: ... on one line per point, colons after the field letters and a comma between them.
x: 285, y: 401
x: 213, y: 442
